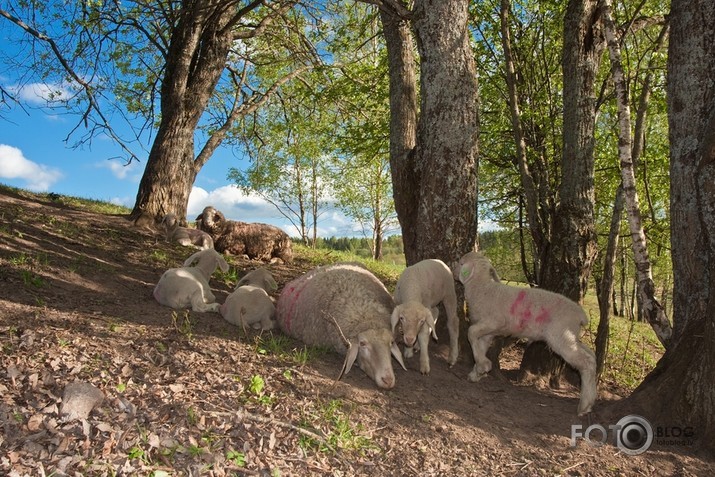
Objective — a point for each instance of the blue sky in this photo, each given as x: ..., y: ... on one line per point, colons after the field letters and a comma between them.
x: 35, y: 156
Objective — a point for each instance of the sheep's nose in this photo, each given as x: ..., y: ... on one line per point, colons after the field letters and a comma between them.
x: 410, y: 340
x: 388, y: 381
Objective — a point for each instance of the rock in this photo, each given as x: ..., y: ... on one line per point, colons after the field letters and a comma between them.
x: 79, y: 399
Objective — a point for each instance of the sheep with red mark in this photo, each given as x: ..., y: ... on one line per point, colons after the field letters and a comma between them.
x: 252, y: 240
x: 420, y: 288
x: 497, y: 309
x: 345, y: 307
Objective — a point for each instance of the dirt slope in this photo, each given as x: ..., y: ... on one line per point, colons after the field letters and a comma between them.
x: 200, y: 398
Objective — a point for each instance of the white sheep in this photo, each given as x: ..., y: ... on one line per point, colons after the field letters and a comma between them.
x: 188, y: 286
x: 497, y: 309
x: 420, y: 288
x: 347, y: 308
x: 184, y: 235
x: 250, y: 304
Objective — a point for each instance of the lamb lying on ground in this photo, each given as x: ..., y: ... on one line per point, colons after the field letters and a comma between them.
x: 256, y: 241
x: 250, y: 304
x: 347, y: 308
x: 188, y: 286
x: 184, y: 235
x: 420, y: 288
x: 497, y: 309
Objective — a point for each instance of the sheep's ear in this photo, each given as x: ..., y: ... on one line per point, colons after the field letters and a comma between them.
x: 493, y: 274
x: 350, y: 358
x: 192, y: 259
x: 395, y: 317
x: 431, y: 323
x: 270, y: 283
x: 221, y: 262
x: 396, y: 353
x: 466, y: 272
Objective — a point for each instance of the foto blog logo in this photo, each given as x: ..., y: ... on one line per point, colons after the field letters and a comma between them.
x: 632, y: 434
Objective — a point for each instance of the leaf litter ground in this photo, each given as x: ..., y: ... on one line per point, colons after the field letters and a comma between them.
x: 190, y: 394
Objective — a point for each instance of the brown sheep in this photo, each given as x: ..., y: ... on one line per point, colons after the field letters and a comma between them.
x: 256, y: 241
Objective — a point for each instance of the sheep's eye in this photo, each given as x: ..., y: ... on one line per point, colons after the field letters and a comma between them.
x: 402, y: 319
x: 363, y: 343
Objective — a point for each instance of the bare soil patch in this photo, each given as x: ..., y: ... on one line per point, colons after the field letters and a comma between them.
x: 76, y: 305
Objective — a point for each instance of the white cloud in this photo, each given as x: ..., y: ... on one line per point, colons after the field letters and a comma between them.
x: 14, y: 165
x: 41, y: 93
x: 120, y: 170
x: 236, y: 205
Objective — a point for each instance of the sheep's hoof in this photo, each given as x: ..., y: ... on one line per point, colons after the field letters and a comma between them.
x: 425, y: 370
x: 473, y: 377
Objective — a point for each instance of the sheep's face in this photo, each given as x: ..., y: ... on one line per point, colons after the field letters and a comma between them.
x: 260, y: 278
x: 211, y: 220
x: 412, y: 316
x: 169, y: 220
x: 373, y: 355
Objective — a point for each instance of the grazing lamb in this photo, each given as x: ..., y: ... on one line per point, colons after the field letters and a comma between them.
x: 188, y: 286
x: 420, y: 288
x: 250, y: 304
x: 184, y: 235
x: 346, y: 307
x: 256, y: 241
x: 497, y: 309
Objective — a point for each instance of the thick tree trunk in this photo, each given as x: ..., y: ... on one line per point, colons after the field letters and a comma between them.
x: 682, y: 381
x: 434, y: 166
x: 573, y: 246
x: 447, y: 133
x: 196, y: 57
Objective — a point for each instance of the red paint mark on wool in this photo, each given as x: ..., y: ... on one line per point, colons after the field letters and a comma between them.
x: 517, y: 302
x: 544, y: 316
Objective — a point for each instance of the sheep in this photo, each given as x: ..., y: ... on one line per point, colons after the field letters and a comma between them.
x: 256, y: 241
x: 420, y: 288
x: 347, y: 308
x: 184, y: 235
x: 250, y: 304
x: 497, y: 309
x: 188, y: 286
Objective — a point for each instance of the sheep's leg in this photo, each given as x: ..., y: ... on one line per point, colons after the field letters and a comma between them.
x: 199, y: 304
x: 423, y: 340
x: 582, y: 358
x: 450, y: 306
x: 480, y: 340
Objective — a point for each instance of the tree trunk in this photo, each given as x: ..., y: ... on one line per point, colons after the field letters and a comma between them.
x: 403, y: 125
x: 537, y: 226
x: 682, y: 380
x: 573, y: 246
x: 434, y: 166
x: 606, y: 288
x: 447, y: 133
x: 651, y: 308
x: 195, y: 60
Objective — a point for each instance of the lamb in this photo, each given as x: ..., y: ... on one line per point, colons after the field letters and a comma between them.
x: 250, y: 304
x: 497, y: 309
x: 256, y: 241
x: 420, y: 288
x: 347, y: 308
x: 184, y: 235
x: 188, y: 286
